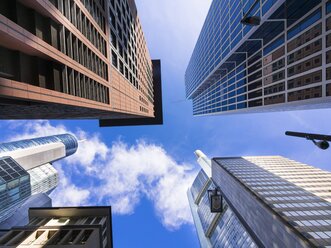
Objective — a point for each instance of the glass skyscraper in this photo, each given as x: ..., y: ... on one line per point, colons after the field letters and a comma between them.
x: 281, y: 64
x: 267, y: 202
x: 26, y: 170
x: 214, y: 229
x: 14, y: 186
x: 69, y: 141
x: 19, y: 216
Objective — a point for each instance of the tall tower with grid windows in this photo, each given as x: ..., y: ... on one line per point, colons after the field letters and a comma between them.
x: 266, y: 202
x: 27, y: 176
x: 281, y: 64
x: 77, y: 59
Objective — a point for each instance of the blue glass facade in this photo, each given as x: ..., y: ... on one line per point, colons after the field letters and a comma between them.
x: 230, y: 233
x: 220, y: 34
x: 21, y: 214
x: 14, y: 186
x: 206, y: 217
x: 198, y: 184
x: 236, y: 68
x: 70, y: 142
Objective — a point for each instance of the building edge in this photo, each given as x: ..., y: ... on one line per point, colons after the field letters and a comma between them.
x: 158, y: 106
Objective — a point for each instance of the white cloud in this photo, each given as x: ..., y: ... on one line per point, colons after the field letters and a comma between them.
x: 89, y: 151
x: 146, y: 170
x: 120, y: 175
x: 33, y: 129
x: 67, y: 194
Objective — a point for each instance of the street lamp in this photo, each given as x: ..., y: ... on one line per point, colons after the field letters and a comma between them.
x: 251, y: 20
x: 215, y: 200
x: 322, y: 140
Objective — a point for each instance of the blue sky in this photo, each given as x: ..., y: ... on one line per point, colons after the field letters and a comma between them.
x: 143, y: 172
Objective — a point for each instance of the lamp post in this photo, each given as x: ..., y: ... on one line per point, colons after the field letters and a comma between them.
x: 320, y: 140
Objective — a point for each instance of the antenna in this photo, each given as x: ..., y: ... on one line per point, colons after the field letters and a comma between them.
x: 81, y: 141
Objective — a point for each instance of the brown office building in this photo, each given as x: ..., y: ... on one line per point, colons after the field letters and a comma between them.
x: 77, y: 59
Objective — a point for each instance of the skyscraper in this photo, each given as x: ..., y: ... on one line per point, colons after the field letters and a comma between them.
x: 281, y: 64
x: 19, y: 216
x: 26, y: 170
x: 267, y: 202
x: 77, y: 59
x: 86, y: 227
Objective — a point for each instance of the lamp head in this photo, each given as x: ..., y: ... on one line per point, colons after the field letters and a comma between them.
x: 215, y: 200
x: 323, y: 144
x: 251, y: 20
x: 216, y: 204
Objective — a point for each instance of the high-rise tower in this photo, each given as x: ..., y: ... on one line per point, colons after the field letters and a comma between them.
x: 281, y: 64
x: 267, y: 202
x: 77, y: 59
x: 26, y: 170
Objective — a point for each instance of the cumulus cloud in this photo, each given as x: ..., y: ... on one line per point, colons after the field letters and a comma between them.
x: 90, y: 151
x: 120, y: 175
x: 33, y: 129
x: 146, y: 170
x: 68, y: 194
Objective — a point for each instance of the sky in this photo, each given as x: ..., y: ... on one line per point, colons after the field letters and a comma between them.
x: 144, y: 172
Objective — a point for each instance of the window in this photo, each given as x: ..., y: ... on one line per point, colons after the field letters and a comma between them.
x: 328, y: 90
x: 9, y: 237
x: 113, y: 39
x: 328, y: 73
x: 255, y: 103
x: 58, y: 237
x: 255, y: 94
x: 310, y: 20
x: 305, y: 94
x: 255, y: 85
x: 274, y: 99
x: 274, y: 89
x: 72, y: 236
x: 114, y: 59
x: 275, y: 44
x: 85, y: 236
x: 121, y: 67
